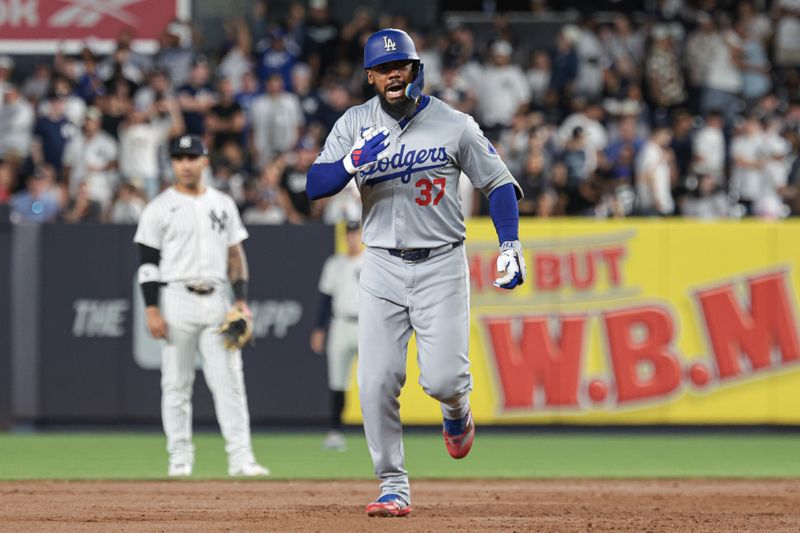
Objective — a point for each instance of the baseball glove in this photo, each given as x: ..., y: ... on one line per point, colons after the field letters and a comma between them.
x: 236, y: 330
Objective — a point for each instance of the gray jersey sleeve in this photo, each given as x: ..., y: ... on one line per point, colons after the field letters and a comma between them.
x: 340, y: 140
x: 480, y: 161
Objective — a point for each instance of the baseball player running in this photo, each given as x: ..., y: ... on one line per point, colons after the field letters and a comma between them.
x: 190, y: 239
x: 406, y: 151
x: 339, y: 287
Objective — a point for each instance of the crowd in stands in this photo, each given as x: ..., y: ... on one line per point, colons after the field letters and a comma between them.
x: 687, y: 109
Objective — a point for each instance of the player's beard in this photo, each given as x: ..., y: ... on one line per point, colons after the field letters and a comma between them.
x: 399, y: 109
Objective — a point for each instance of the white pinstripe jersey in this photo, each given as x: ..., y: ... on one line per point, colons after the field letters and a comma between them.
x: 193, y: 234
x: 339, y: 280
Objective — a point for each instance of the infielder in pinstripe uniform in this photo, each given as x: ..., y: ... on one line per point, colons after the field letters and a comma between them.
x: 406, y: 152
x: 190, y: 240
x: 338, y: 321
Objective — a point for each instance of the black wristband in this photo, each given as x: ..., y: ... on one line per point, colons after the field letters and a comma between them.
x: 240, y: 289
x: 150, y: 292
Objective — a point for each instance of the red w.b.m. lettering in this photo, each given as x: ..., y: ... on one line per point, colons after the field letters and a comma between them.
x: 630, y: 352
x: 536, y: 359
x: 735, y: 330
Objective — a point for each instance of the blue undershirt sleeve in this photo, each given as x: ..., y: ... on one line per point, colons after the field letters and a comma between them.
x: 325, y: 311
x: 505, y: 212
x: 326, y: 179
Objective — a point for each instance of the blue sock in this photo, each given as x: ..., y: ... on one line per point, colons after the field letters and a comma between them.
x: 455, y: 427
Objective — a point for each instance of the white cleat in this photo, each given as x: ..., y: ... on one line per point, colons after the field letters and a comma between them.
x: 334, y: 441
x: 248, y: 470
x: 180, y: 470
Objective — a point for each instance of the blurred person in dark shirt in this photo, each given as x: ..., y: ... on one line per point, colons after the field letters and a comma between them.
x: 226, y: 119
x: 321, y: 39
x: 50, y: 136
x: 355, y: 33
x: 540, y: 195
x: 90, y: 82
x: 81, y: 208
x: 581, y: 192
x: 115, y: 107
x: 293, y: 186
x: 197, y: 97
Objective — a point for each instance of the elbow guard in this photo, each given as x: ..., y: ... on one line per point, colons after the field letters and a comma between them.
x: 148, y: 273
x: 149, y: 281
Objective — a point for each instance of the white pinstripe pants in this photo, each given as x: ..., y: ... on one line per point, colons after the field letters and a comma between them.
x: 191, y: 321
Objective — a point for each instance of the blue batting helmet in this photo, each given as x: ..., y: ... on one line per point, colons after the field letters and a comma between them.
x: 389, y: 45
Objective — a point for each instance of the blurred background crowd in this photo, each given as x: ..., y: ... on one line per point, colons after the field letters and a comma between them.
x: 684, y: 108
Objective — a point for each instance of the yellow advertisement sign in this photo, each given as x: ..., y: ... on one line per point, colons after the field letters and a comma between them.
x: 632, y: 322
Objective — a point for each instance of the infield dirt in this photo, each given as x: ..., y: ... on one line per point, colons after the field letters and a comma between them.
x: 464, y: 505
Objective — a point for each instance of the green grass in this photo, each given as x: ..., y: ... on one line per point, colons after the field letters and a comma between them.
x: 139, y: 455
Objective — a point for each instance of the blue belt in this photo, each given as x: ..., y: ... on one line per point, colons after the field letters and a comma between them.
x: 414, y: 255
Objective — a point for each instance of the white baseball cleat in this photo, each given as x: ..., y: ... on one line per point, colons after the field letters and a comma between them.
x: 180, y: 470
x: 335, y: 441
x: 248, y: 470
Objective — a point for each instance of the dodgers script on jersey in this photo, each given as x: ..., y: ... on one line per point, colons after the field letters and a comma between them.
x: 193, y: 234
x: 411, y: 199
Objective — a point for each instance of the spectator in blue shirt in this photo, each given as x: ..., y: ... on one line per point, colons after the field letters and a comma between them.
x: 197, y: 97
x: 274, y: 56
x: 51, y: 135
x: 39, y: 202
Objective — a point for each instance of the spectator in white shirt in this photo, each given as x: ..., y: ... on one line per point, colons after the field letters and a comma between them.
x: 787, y: 33
x: 747, y: 165
x: 91, y: 158
x: 128, y: 205
x: 502, y: 90
x: 17, y: 118
x: 723, y: 78
x: 708, y: 148
x: 276, y: 118
x: 777, y: 165
x: 655, y: 169
x: 140, y: 138
x: 539, y: 77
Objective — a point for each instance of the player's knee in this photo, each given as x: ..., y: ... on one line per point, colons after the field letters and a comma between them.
x: 375, y: 389
x: 443, y: 388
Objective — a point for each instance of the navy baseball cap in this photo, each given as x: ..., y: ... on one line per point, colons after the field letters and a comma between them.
x: 188, y: 145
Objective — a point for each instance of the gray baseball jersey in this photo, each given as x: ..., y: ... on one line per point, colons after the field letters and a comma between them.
x: 411, y: 200
x: 194, y: 234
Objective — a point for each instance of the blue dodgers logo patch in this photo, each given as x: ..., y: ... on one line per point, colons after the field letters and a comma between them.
x: 406, y: 164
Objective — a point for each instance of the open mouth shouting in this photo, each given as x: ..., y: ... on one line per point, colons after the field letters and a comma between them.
x: 395, y: 90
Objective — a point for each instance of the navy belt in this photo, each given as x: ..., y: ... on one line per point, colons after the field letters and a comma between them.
x: 414, y: 255
x: 202, y: 290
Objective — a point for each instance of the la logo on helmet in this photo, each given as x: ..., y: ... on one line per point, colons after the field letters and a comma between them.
x: 388, y: 44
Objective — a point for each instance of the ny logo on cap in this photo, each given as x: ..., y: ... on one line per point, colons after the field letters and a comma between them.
x: 185, y: 142
x: 388, y: 44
